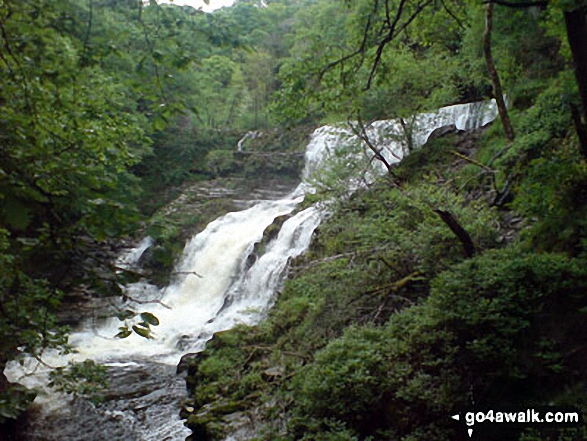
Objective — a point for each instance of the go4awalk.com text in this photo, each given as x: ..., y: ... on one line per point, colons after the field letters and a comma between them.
x: 541, y: 417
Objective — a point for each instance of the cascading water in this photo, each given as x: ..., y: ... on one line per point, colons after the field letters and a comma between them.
x: 217, y: 287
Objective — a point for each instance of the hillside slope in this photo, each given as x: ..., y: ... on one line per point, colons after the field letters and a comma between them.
x: 394, y: 320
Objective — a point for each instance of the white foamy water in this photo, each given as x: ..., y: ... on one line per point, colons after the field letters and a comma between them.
x: 219, y: 284
x: 389, y: 137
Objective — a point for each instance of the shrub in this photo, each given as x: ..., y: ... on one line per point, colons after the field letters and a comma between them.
x: 220, y: 162
x: 487, y: 329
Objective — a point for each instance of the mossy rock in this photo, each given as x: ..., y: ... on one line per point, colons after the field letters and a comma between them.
x: 270, y: 233
x: 208, y: 423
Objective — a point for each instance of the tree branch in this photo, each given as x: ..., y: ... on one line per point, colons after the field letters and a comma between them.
x: 388, y: 38
x: 359, y: 51
x: 88, y: 30
x: 449, y: 12
x: 472, y: 161
x: 496, y: 83
x: 576, y: 24
x: 516, y: 4
x: 362, y: 134
x: 459, y: 231
x: 126, y: 298
x: 391, y: 34
x: 193, y: 273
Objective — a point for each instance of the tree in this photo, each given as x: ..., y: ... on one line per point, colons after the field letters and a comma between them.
x: 368, y: 33
x: 576, y: 24
x: 371, y: 56
x: 83, y: 86
x: 575, y: 19
x: 497, y: 90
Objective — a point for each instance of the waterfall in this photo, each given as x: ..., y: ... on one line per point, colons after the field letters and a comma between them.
x: 131, y: 258
x: 248, y: 135
x: 217, y: 287
x: 389, y: 137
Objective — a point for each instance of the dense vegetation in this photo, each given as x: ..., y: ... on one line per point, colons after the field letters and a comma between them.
x: 105, y: 106
x: 392, y: 321
x: 386, y: 327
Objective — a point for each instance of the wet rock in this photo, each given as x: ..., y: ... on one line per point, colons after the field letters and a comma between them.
x: 251, y: 259
x: 140, y: 403
x: 274, y: 372
x: 269, y: 234
x: 146, y: 259
x: 186, y: 363
x: 442, y: 131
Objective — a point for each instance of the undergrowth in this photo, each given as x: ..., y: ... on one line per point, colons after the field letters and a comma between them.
x: 388, y: 325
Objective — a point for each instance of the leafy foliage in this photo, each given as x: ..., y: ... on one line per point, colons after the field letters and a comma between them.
x: 79, y: 379
x: 474, y: 331
x: 86, y: 88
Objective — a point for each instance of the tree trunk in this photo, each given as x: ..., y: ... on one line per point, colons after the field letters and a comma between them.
x: 497, y: 91
x: 580, y: 128
x: 408, y: 135
x: 468, y: 245
x: 576, y: 24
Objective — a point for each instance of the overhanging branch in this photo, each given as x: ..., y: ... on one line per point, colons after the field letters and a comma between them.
x: 516, y: 4
x: 389, y: 30
x: 391, y: 34
x: 360, y: 50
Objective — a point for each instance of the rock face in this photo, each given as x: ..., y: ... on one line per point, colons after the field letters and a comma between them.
x: 270, y: 233
x: 442, y: 131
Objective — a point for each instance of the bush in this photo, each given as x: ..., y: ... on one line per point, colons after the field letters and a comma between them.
x: 347, y: 380
x: 220, y: 162
x: 487, y: 329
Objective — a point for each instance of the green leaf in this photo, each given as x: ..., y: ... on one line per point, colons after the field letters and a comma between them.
x: 150, y: 318
x: 158, y: 123
x: 126, y: 314
x: 124, y: 332
x: 143, y: 332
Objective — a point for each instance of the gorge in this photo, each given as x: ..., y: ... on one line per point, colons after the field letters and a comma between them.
x: 218, y: 283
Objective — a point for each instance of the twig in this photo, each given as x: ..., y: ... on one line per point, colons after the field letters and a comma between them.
x: 362, y: 134
x: 471, y: 161
x: 359, y: 51
x: 145, y: 302
x: 337, y: 256
x: 449, y: 12
x: 40, y: 360
x: 396, y: 286
x: 391, y: 34
x: 188, y: 272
